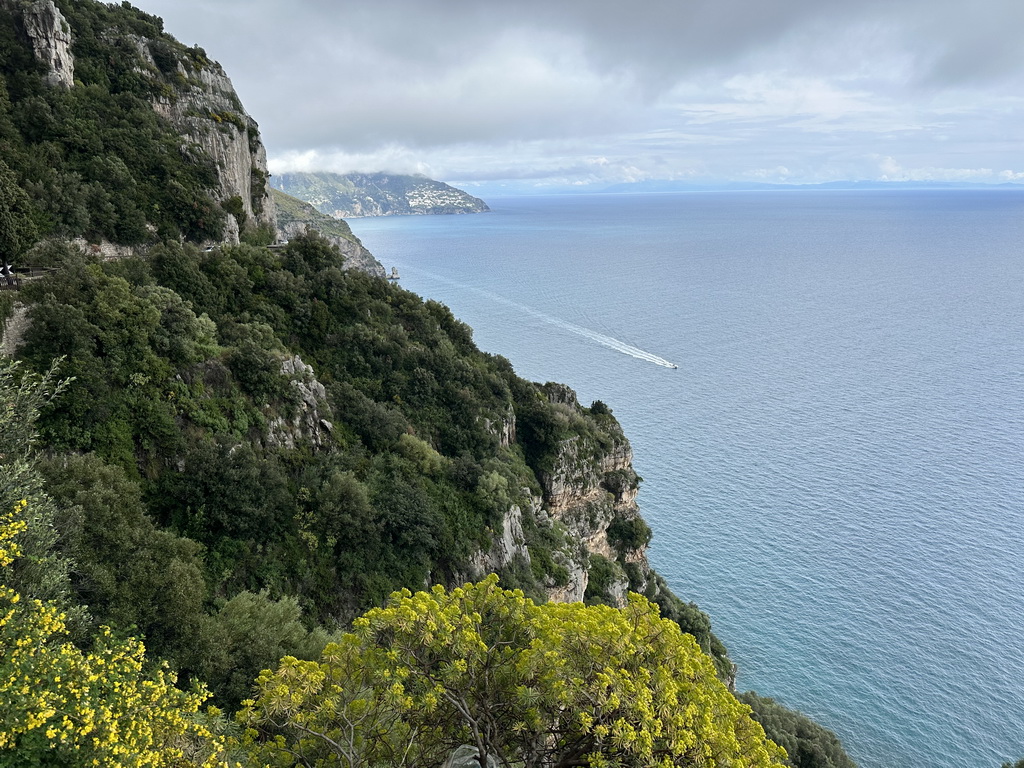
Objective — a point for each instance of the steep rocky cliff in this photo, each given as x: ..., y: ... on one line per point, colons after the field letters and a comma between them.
x: 207, y: 111
x: 295, y: 217
x: 309, y: 422
x: 50, y: 35
x: 116, y: 175
x: 513, y: 478
x: 588, y: 494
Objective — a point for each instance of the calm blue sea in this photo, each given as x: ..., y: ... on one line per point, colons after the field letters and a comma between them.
x: 835, y: 471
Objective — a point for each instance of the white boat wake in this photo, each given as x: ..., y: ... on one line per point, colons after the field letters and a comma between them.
x: 600, y: 338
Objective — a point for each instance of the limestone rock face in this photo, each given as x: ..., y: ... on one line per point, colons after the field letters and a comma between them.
x: 356, y: 256
x: 105, y: 250
x: 209, y: 114
x: 507, y: 547
x: 590, y: 487
x: 310, y: 421
x: 505, y: 428
x: 51, y: 38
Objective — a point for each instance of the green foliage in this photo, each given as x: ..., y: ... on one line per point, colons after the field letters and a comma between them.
x: 109, y: 334
x: 254, y: 632
x: 558, y: 684
x: 602, y: 574
x: 177, y: 362
x: 291, y: 209
x: 133, y: 576
x: 64, y: 706
x: 260, y: 235
x: 95, y: 160
x: 808, y: 744
x: 629, y: 533
x: 235, y: 207
x: 187, y: 481
x: 43, y: 571
x: 23, y: 395
x: 689, y: 617
x: 17, y: 228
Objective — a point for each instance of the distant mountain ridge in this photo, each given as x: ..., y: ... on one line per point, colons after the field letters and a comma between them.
x: 354, y: 195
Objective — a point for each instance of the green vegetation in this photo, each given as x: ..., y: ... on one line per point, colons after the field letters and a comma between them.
x: 177, y: 389
x: 63, y: 704
x: 95, y: 160
x: 253, y: 446
x: 291, y: 209
x: 558, y: 684
x: 808, y: 744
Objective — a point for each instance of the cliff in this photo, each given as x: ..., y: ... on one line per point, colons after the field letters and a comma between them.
x: 50, y: 35
x: 295, y: 218
x: 266, y: 425
x: 353, y: 195
x: 207, y: 112
x: 496, y: 473
x: 589, y: 487
x: 161, y: 146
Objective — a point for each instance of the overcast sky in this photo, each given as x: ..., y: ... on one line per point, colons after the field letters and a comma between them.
x: 550, y: 93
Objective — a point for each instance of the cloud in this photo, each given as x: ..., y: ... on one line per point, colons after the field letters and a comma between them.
x: 892, y: 171
x: 724, y: 87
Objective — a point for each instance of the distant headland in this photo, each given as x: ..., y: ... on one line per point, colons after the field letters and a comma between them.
x: 353, y: 195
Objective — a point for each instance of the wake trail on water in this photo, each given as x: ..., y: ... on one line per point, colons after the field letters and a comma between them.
x: 587, y: 333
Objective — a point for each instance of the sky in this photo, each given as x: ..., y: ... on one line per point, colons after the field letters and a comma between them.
x: 556, y: 94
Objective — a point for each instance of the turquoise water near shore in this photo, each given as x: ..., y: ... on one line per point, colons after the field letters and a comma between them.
x: 835, y: 471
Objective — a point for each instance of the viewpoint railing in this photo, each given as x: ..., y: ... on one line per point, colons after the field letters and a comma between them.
x: 14, y: 279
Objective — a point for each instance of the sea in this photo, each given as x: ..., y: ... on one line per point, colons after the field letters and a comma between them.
x: 835, y: 470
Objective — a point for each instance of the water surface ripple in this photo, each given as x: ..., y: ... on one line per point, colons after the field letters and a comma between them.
x: 836, y: 470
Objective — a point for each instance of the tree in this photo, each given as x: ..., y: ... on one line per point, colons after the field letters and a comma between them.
x: 64, y: 706
x: 255, y: 631
x: 60, y: 705
x: 44, y: 570
x: 17, y: 230
x: 554, y: 685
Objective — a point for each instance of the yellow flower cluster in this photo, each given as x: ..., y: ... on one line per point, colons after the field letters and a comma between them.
x: 92, y: 708
x: 535, y: 684
x: 11, y: 525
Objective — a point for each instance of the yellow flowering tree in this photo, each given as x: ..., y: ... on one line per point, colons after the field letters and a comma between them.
x: 61, y: 706
x: 523, y: 684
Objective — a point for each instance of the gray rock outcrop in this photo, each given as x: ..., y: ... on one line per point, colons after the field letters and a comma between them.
x: 506, y: 548
x: 311, y: 419
x: 590, y: 487
x: 209, y: 114
x: 50, y: 36
x: 356, y: 256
